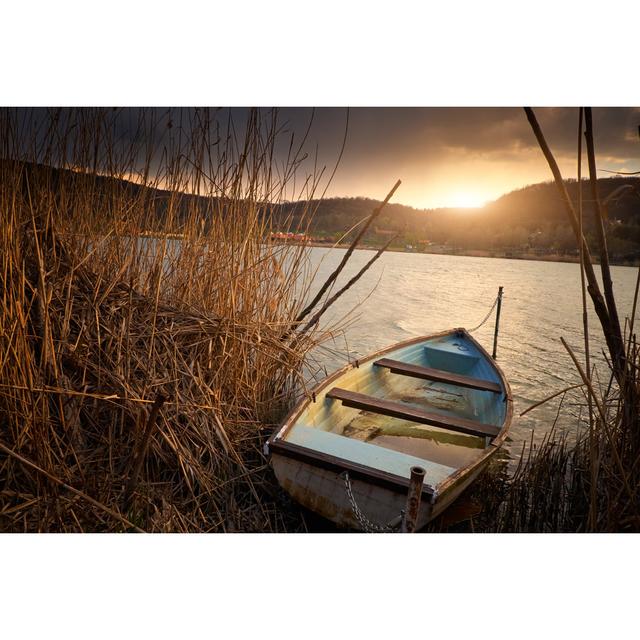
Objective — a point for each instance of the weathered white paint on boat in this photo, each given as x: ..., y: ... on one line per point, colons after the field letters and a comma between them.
x: 321, y: 437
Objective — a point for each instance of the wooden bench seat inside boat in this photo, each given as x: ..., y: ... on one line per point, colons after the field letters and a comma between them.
x: 405, y: 412
x: 366, y: 454
x: 437, y: 375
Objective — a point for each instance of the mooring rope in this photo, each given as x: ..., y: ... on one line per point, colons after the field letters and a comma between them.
x: 493, y: 306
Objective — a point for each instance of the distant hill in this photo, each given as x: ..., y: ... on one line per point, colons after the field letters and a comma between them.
x: 528, y: 219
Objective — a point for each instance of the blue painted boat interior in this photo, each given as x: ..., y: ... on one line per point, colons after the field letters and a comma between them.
x: 394, y: 444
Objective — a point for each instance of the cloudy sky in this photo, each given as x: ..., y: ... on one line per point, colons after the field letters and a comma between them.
x: 458, y: 156
x: 454, y: 157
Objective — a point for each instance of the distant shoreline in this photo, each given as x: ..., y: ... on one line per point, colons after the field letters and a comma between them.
x: 478, y: 253
x: 470, y: 253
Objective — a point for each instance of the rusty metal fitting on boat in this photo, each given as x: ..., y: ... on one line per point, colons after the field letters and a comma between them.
x: 413, y: 499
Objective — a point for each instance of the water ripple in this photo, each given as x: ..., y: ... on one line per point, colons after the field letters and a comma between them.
x: 417, y: 294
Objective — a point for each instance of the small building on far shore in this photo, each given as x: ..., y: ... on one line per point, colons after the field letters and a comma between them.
x: 288, y: 236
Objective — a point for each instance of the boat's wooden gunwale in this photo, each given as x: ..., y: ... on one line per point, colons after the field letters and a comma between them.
x: 277, y: 443
x: 455, y: 478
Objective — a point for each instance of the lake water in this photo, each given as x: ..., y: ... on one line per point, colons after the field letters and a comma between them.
x: 405, y: 295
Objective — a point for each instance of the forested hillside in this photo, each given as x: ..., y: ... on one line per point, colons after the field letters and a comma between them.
x: 529, y: 218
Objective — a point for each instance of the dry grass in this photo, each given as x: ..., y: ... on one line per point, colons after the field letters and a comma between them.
x: 100, y: 328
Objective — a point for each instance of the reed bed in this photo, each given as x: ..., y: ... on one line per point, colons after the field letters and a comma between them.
x: 148, y: 339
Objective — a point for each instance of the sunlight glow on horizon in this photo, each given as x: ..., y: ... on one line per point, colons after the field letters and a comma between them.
x: 446, y: 189
x: 466, y: 200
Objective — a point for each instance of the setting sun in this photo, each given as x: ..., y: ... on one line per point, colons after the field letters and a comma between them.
x: 466, y: 200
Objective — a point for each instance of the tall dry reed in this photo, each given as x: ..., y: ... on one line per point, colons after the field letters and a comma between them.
x: 146, y: 341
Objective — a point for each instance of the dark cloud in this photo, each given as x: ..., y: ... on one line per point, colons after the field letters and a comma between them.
x: 420, y: 131
x: 416, y: 143
x: 419, y: 142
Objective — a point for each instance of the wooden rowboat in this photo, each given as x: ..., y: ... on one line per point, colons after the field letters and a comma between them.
x: 438, y: 402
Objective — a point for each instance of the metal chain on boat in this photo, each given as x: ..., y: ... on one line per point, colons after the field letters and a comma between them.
x: 493, y: 306
x: 367, y: 525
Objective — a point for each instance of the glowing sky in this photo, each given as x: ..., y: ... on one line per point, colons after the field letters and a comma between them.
x: 458, y: 156
x: 455, y: 157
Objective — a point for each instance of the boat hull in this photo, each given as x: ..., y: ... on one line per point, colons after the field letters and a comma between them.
x: 310, y: 454
x: 323, y: 491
